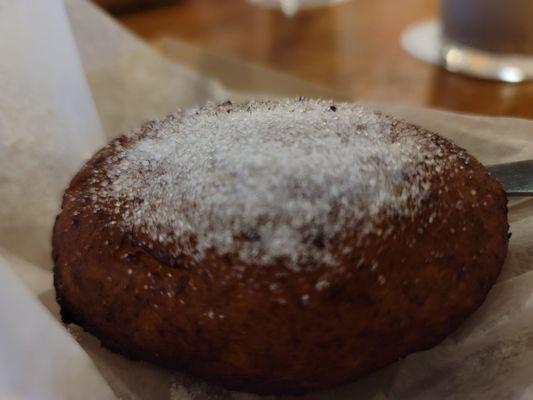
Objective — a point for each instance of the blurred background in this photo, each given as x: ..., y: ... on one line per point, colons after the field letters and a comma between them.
x: 353, y: 48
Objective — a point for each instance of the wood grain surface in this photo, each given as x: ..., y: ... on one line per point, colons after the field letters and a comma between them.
x: 351, y: 48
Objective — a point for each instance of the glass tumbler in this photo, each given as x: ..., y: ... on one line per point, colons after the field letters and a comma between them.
x: 490, y: 39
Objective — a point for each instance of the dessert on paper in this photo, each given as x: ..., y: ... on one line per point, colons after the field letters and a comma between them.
x: 486, y: 358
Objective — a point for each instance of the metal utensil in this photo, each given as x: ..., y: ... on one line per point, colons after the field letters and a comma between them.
x: 516, y: 177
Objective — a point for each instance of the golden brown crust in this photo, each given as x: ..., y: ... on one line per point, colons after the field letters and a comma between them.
x: 275, y: 330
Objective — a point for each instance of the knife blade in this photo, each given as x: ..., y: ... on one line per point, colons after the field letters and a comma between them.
x: 516, y: 177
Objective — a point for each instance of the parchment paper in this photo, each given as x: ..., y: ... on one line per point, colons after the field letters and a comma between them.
x: 65, y: 91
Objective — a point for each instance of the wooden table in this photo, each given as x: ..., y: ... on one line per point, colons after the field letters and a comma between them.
x: 352, y: 48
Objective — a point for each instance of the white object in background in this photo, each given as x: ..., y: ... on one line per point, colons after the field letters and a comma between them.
x: 291, y: 7
x: 423, y: 41
x: 48, y: 122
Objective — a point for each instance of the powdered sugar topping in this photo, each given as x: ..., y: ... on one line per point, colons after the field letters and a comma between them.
x: 268, y: 181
